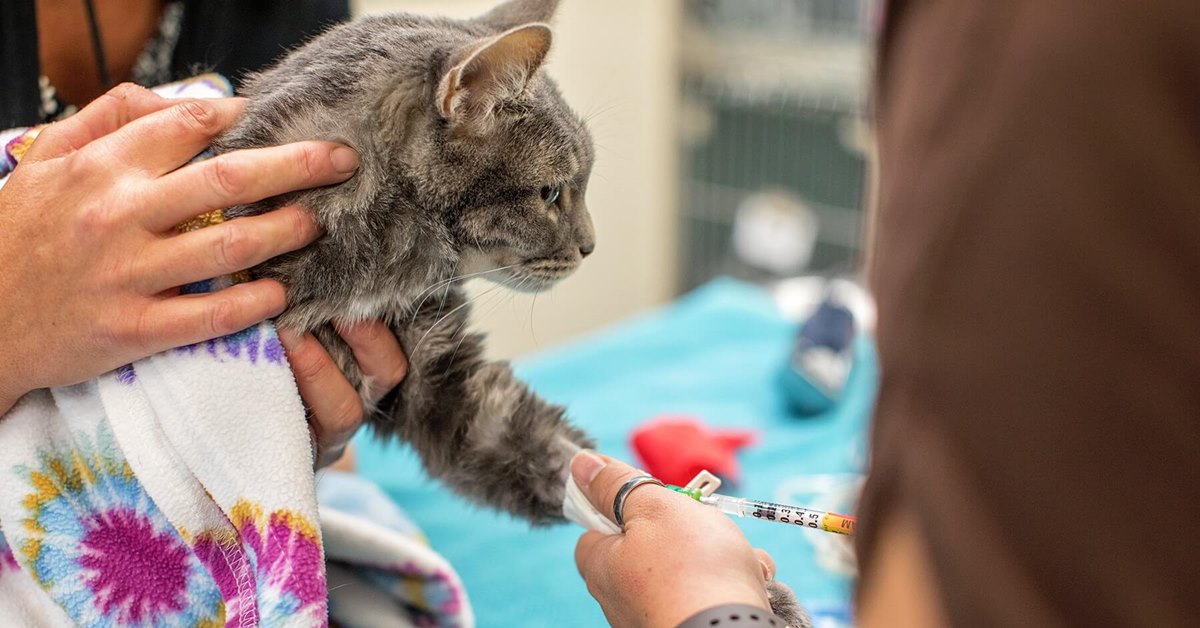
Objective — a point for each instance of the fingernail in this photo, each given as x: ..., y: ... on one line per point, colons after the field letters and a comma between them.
x: 345, y: 160
x: 585, y: 466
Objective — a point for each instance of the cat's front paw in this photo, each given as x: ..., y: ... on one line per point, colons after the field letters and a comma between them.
x: 542, y: 464
x: 516, y: 450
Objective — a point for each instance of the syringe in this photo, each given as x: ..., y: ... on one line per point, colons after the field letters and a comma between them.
x: 768, y: 511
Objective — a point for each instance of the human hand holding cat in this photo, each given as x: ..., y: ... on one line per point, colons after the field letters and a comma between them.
x: 675, y: 558
x: 335, y: 407
x: 91, y: 258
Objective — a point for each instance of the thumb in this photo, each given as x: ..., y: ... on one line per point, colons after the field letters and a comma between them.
x: 600, y: 477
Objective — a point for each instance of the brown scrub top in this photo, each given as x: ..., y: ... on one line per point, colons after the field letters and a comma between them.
x: 1037, y: 268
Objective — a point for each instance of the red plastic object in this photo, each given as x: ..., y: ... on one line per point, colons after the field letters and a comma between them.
x: 674, y: 449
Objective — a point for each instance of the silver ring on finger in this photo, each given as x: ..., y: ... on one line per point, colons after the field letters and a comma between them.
x: 623, y: 494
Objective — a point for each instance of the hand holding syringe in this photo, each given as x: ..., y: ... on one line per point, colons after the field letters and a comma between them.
x: 768, y: 511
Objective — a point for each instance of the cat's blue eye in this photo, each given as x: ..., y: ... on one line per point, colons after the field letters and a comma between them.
x: 550, y: 194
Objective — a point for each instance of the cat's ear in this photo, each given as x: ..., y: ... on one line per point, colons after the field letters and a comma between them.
x: 514, y: 13
x: 492, y: 71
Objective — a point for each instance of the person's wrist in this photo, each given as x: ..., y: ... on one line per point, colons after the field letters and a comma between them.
x: 732, y: 616
x: 690, y: 600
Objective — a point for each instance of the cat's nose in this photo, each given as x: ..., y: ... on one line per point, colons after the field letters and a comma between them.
x: 587, y: 248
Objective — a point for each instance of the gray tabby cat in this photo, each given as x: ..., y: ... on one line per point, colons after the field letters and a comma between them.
x: 471, y: 164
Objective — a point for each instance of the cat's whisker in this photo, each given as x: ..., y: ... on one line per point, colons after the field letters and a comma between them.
x: 457, y: 345
x: 449, y: 314
x: 532, y: 331
x: 428, y: 292
x: 525, y: 281
x: 471, y: 275
x: 589, y: 117
x: 498, y: 300
x: 532, y: 304
x: 442, y: 303
x: 520, y: 282
x: 446, y: 292
x: 492, y: 299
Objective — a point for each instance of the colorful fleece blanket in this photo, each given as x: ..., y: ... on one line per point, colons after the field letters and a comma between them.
x: 179, y: 491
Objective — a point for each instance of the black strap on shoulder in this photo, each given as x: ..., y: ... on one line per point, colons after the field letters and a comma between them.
x: 20, y: 99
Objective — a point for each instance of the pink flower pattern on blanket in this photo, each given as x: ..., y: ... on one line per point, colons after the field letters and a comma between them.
x: 135, y: 573
x: 95, y: 541
x: 289, y: 563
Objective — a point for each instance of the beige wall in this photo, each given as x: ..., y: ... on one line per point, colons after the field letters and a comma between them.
x: 616, y: 63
